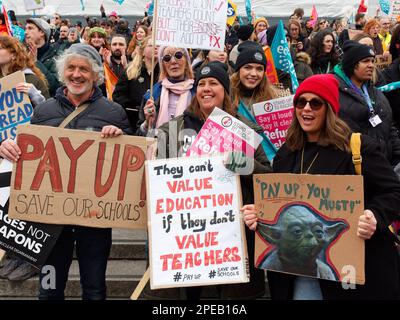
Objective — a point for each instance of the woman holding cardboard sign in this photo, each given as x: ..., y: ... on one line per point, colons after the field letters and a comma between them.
x: 318, y: 142
x: 212, y: 90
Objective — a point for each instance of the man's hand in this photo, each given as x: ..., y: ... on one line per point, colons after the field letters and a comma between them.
x: 110, y: 131
x: 250, y: 216
x: 366, y: 225
x: 9, y: 150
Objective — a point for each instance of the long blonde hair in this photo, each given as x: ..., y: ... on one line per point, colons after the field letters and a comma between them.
x: 335, y: 132
x: 135, y: 66
x: 264, y: 91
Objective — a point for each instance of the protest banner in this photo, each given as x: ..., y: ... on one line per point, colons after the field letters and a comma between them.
x: 30, y: 241
x: 191, y: 23
x: 231, y: 13
x: 395, y: 8
x: 275, y: 116
x: 33, y: 4
x: 383, y: 61
x: 271, y: 71
x: 308, y: 225
x: 196, y: 234
x: 15, y: 107
x: 223, y: 133
x: 78, y: 178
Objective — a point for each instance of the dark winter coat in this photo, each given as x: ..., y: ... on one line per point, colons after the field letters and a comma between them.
x: 129, y: 93
x: 392, y: 74
x: 256, y: 286
x: 47, y: 64
x: 101, y: 112
x: 381, y: 196
x: 355, y: 112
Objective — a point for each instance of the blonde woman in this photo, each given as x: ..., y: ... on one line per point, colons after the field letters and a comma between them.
x: 135, y: 81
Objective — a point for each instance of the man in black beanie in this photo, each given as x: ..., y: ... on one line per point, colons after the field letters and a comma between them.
x: 362, y: 106
x: 244, y: 33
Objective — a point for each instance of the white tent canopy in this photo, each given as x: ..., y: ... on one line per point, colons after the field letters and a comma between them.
x: 268, y: 8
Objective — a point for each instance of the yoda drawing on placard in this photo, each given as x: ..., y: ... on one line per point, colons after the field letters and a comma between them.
x: 301, y: 237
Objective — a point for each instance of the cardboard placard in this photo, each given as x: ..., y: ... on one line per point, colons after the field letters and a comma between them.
x: 76, y: 177
x: 383, y: 61
x: 275, y: 117
x: 30, y: 241
x: 308, y: 225
x: 192, y: 23
x: 15, y: 107
x: 222, y: 133
x: 196, y: 233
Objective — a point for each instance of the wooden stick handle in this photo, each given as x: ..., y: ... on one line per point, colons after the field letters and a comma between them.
x: 142, y: 283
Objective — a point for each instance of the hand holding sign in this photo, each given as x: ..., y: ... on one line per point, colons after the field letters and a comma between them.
x: 366, y: 225
x: 9, y: 150
x: 149, y: 113
x: 24, y: 87
x: 250, y: 216
x: 110, y: 131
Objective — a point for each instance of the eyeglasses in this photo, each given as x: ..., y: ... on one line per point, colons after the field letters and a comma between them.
x: 315, y: 104
x: 178, y: 56
x: 322, y: 22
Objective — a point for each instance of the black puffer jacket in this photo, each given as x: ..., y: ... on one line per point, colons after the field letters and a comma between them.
x: 392, y: 74
x: 355, y: 112
x: 101, y: 112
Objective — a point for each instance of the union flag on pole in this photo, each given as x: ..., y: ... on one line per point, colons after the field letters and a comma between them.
x: 362, y: 8
x: 314, y: 17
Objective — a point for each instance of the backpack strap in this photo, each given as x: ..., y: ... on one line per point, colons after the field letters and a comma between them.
x: 355, y: 145
x: 73, y: 115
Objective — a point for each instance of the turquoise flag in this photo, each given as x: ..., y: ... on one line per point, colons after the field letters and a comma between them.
x: 385, y: 6
x: 248, y: 10
x: 269, y: 148
x: 389, y: 87
x: 281, y: 54
x: 150, y: 12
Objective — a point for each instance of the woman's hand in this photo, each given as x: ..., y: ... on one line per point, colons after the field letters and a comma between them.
x: 9, y: 150
x: 24, y: 87
x: 149, y: 113
x: 366, y: 225
x: 250, y: 216
x: 110, y: 131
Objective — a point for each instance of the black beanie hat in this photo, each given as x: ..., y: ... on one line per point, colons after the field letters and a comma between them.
x: 214, y: 69
x: 354, y: 52
x: 244, y: 32
x: 250, y: 52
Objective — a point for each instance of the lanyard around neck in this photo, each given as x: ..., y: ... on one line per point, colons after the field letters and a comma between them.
x: 364, y: 93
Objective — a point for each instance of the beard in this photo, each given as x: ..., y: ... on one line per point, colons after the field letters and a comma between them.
x: 84, y: 88
x: 117, y: 54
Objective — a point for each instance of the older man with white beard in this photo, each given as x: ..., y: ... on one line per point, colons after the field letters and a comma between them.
x: 80, y: 69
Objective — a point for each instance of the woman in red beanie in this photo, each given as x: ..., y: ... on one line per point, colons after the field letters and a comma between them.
x: 318, y: 142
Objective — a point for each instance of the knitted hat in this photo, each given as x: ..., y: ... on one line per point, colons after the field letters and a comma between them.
x: 354, y: 52
x: 42, y: 25
x: 261, y: 19
x: 326, y: 86
x: 98, y: 30
x: 250, y: 52
x: 214, y: 69
x: 244, y: 32
x: 86, y: 51
x: 113, y: 14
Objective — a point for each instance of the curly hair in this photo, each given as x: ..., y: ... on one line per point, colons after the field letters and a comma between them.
x: 317, y: 48
x: 22, y: 60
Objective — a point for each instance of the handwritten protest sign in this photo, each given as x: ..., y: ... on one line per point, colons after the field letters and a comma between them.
x: 395, y: 8
x: 15, y: 107
x: 30, y: 241
x: 76, y: 177
x: 383, y: 61
x: 192, y: 23
x: 275, y: 116
x: 196, y: 234
x: 308, y: 225
x: 222, y: 133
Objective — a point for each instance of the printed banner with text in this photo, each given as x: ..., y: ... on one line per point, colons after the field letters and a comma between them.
x: 30, y: 241
x: 308, y: 225
x: 192, y: 23
x: 15, y: 107
x: 76, y: 177
x: 275, y: 116
x: 223, y: 133
x: 196, y: 232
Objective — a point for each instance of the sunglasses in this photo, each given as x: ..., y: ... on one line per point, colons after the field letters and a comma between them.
x: 178, y: 56
x: 315, y: 104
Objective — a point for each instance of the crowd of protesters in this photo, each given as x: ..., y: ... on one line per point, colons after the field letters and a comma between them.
x: 66, y: 65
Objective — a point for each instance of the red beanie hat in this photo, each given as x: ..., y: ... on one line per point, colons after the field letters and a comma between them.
x: 325, y: 86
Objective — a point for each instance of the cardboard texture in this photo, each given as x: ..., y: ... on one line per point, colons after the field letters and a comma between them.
x: 383, y: 61
x: 308, y: 225
x: 15, y: 107
x: 76, y: 177
x: 32, y: 242
x: 196, y: 231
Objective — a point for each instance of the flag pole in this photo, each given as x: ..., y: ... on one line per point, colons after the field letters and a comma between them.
x: 153, y: 41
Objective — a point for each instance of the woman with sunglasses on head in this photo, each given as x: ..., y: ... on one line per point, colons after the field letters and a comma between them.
x: 171, y: 95
x: 318, y: 142
x: 174, y: 140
